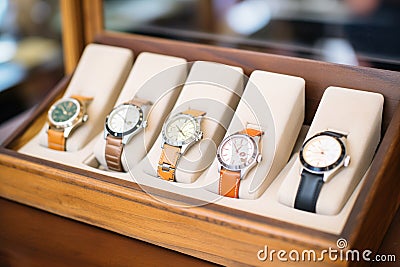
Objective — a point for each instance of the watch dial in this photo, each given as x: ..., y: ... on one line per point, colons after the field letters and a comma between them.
x: 124, y: 118
x: 237, y: 151
x: 181, y: 129
x: 64, y: 111
x: 322, y: 151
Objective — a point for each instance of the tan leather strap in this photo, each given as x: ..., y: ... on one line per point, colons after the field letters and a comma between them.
x: 82, y: 99
x: 170, y: 155
x: 194, y: 113
x: 229, y: 182
x: 139, y: 102
x: 56, y: 139
x: 168, y: 161
x: 113, y: 153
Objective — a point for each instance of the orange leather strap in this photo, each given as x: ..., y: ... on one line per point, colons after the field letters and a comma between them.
x: 252, y: 132
x: 56, y: 139
x: 229, y: 182
x: 194, y: 113
x: 113, y: 153
x: 168, y: 161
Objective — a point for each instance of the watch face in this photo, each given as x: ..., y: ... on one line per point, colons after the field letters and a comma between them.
x: 64, y: 112
x: 322, y: 153
x: 237, y: 151
x: 181, y: 129
x: 124, y: 119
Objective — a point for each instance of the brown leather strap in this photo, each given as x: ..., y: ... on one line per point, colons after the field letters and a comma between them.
x: 229, y: 182
x: 113, y: 153
x: 194, y: 113
x: 56, y: 139
x: 168, y: 161
x: 139, y: 102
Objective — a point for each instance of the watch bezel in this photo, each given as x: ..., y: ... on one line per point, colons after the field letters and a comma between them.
x: 71, y: 121
x: 241, y: 166
x: 133, y: 129
x: 194, y: 137
x: 330, y: 167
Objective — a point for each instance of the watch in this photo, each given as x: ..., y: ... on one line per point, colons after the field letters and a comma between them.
x: 321, y: 157
x: 63, y: 117
x: 179, y: 133
x: 236, y: 155
x: 123, y: 122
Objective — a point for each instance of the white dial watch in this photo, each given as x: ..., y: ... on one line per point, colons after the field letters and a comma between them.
x: 236, y: 155
x: 123, y: 122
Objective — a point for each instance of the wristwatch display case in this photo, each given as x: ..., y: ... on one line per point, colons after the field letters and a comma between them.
x: 185, y: 224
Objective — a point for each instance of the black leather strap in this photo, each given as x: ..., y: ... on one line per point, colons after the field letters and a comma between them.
x: 308, y: 191
x: 335, y: 134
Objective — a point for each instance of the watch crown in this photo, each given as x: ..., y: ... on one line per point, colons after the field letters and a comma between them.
x: 346, y: 161
x: 199, y: 136
x: 259, y: 158
x: 85, y: 118
x: 144, y: 124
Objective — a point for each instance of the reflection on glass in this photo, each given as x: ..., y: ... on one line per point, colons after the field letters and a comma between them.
x: 353, y: 32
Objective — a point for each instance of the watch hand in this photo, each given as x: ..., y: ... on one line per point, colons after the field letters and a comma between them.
x: 121, y: 116
x: 63, y: 110
x: 237, y: 150
x: 180, y: 131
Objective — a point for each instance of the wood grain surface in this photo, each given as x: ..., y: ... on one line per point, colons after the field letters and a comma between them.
x: 31, y: 237
x: 72, y: 33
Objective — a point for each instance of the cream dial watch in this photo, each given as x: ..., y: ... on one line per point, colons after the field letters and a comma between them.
x: 179, y: 132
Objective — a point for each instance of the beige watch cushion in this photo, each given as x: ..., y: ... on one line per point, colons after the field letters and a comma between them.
x: 100, y: 74
x: 358, y: 113
x: 276, y: 103
x: 159, y: 79
x: 213, y: 88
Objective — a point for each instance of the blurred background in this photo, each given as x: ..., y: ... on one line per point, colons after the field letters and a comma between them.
x: 352, y: 32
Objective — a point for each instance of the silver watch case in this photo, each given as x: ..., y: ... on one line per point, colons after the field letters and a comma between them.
x: 329, y: 171
x: 127, y: 135
x: 256, y: 157
x: 188, y: 143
